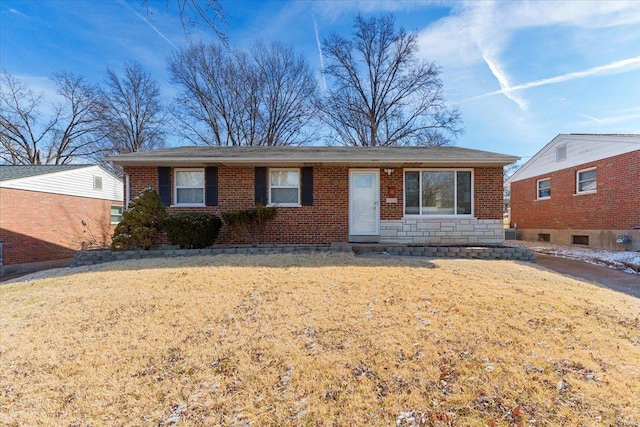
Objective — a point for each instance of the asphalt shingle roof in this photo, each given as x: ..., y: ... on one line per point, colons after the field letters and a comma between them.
x: 312, y: 155
x: 8, y: 172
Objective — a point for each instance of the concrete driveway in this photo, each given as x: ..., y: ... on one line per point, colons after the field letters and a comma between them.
x: 616, y: 280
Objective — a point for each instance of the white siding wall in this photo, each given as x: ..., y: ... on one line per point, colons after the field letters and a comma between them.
x: 74, y: 182
x: 580, y: 149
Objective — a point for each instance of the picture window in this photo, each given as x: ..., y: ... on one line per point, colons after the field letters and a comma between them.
x: 438, y: 192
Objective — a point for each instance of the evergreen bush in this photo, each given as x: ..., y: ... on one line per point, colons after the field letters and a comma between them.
x: 250, y: 224
x: 192, y: 230
x: 141, y: 223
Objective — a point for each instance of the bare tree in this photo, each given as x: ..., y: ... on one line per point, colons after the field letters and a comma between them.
x: 28, y: 137
x: 288, y: 90
x: 131, y: 115
x: 264, y: 97
x: 381, y: 93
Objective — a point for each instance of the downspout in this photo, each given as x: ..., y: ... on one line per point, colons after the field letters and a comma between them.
x: 127, y: 191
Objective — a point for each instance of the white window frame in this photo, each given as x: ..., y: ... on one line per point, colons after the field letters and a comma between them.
x: 269, y: 186
x: 121, y: 212
x: 175, y: 187
x: 538, y: 197
x: 578, y: 182
x: 455, y: 194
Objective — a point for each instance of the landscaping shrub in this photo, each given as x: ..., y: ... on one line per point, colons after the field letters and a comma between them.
x: 141, y: 223
x: 250, y: 224
x: 192, y: 230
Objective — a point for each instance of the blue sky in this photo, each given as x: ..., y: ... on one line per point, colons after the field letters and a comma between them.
x: 520, y: 72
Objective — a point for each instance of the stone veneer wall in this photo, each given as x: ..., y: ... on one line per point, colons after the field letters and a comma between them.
x: 442, y: 231
x: 516, y: 253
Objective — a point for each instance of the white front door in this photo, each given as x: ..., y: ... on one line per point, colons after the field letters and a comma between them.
x: 364, y: 201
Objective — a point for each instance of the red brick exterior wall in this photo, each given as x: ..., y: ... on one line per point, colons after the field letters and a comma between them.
x: 327, y: 220
x: 615, y: 205
x: 487, y: 192
x: 37, y: 226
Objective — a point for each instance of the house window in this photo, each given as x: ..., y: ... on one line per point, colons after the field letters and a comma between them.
x: 97, y: 182
x: 116, y: 214
x: 586, y: 181
x: 438, y: 192
x: 284, y: 187
x: 189, y: 187
x: 544, y: 188
x: 561, y: 153
x: 544, y: 237
x: 580, y: 240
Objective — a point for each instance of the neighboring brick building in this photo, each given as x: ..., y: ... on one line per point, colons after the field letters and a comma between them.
x: 49, y: 212
x: 579, y: 189
x: 417, y: 195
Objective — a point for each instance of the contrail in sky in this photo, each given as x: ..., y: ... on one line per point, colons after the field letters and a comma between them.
x: 315, y: 28
x: 631, y: 63
x: 588, y: 117
x: 501, y: 76
x: 153, y: 27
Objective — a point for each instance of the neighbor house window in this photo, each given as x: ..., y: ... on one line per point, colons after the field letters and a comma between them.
x: 189, y: 187
x: 586, y: 181
x: 284, y: 187
x: 580, y: 240
x: 116, y: 214
x: 438, y: 192
x: 544, y: 188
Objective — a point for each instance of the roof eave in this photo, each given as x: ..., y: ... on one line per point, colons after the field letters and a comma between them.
x: 216, y: 161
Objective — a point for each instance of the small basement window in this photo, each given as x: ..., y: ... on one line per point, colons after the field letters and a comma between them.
x: 544, y: 237
x: 580, y: 240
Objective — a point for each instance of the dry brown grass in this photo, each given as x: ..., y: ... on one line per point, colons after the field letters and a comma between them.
x: 317, y: 340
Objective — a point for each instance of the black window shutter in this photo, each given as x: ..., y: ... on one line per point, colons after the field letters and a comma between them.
x: 306, y: 176
x: 164, y: 185
x: 260, y: 174
x: 211, y: 186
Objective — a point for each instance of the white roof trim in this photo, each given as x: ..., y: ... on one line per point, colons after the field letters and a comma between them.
x: 524, y: 171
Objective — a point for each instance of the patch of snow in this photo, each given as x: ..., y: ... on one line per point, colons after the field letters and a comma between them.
x: 626, y: 261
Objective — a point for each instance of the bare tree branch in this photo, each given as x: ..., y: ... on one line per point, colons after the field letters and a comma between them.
x: 381, y: 93
x: 193, y: 12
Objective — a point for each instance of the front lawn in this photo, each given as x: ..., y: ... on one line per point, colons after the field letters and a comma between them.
x: 326, y: 339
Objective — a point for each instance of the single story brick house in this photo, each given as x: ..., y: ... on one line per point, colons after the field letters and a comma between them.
x: 579, y: 189
x: 410, y: 195
x: 47, y: 213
